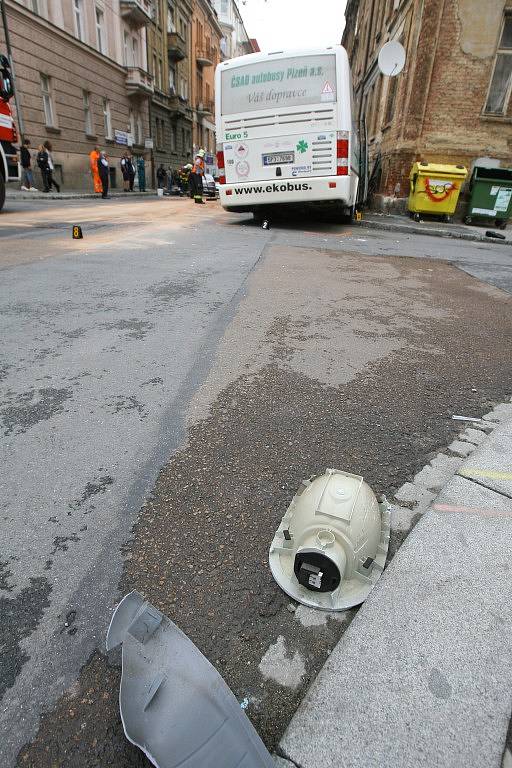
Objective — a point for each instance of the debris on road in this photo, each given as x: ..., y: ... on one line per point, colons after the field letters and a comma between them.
x: 495, y: 235
x: 465, y: 418
x: 174, y: 704
x: 331, y: 545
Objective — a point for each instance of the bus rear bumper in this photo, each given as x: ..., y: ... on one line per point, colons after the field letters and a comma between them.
x: 340, y: 190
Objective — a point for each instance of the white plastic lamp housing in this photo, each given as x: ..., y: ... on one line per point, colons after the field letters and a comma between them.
x: 332, y: 543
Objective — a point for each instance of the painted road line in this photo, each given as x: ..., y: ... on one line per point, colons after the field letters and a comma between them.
x: 491, y: 474
x: 482, y: 512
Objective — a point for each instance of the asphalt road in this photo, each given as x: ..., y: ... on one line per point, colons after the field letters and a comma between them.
x: 167, y: 382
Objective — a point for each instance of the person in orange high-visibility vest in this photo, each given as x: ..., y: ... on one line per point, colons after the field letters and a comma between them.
x: 196, y: 177
x: 94, y: 156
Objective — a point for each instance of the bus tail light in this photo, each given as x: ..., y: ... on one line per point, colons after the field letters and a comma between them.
x: 342, y: 153
x: 221, y: 167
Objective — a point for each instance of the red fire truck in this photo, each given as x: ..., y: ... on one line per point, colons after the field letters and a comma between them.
x: 9, y: 166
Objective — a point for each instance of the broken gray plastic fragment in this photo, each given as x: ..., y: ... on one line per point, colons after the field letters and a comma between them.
x: 174, y: 704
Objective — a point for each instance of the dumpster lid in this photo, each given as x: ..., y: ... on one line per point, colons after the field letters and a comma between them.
x: 439, y: 169
x: 492, y: 174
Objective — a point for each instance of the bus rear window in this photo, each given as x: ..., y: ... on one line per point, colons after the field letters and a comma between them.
x: 296, y: 81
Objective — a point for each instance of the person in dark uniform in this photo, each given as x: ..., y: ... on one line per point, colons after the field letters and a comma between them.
x: 141, y: 173
x: 161, y: 177
x: 131, y: 172
x: 125, y: 170
x: 104, y: 172
x: 196, y: 178
x: 42, y: 162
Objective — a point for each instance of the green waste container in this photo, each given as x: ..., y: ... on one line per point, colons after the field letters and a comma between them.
x: 491, y: 195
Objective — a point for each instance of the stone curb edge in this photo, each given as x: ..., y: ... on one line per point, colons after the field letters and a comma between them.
x: 415, y: 230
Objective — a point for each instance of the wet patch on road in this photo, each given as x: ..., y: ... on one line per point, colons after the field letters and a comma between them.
x: 20, y: 616
x: 4, y: 370
x: 20, y: 412
x: 172, y: 290
x: 118, y: 403
x: 5, y: 574
x: 92, y: 488
x: 133, y: 328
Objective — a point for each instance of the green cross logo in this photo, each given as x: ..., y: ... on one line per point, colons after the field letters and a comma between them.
x: 302, y: 146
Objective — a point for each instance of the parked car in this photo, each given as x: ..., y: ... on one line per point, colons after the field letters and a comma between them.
x: 209, y: 188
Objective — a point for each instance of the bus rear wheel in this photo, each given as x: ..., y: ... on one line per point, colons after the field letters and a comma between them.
x: 348, y: 214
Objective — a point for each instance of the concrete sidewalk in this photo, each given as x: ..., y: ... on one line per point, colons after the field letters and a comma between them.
x: 18, y: 194
x: 456, y: 230
x: 423, y: 675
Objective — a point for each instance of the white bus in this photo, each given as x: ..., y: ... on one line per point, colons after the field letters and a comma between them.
x: 285, y: 131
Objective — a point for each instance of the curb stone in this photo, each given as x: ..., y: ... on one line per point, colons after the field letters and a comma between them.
x: 419, y: 230
x: 24, y: 196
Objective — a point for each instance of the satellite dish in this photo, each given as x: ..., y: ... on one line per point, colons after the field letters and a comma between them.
x: 392, y: 58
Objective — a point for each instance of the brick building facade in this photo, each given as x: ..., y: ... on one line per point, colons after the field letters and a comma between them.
x: 81, y: 78
x: 452, y: 102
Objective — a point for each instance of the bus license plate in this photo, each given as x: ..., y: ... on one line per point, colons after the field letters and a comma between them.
x: 279, y: 158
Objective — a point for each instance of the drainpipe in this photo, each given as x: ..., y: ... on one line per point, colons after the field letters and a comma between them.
x: 19, y: 113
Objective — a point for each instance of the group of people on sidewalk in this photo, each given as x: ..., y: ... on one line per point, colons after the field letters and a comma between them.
x: 100, y: 170
x: 187, y: 179
x: 45, y: 164
x: 190, y: 175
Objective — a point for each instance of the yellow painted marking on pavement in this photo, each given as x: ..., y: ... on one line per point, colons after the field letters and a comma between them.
x: 483, y: 512
x: 489, y: 473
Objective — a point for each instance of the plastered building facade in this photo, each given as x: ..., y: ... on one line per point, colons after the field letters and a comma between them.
x: 82, y: 79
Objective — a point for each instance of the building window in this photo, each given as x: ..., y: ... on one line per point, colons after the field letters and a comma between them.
x: 78, y: 8
x: 154, y: 66
x: 126, y: 48
x: 46, y: 90
x: 183, y: 88
x: 171, y: 19
x: 87, y: 113
x: 34, y: 6
x: 173, y: 138
x: 501, y: 81
x: 132, y: 124
x: 224, y: 8
x: 135, y: 51
x: 160, y: 80
x: 172, y: 80
x: 107, y: 119
x: 100, y: 30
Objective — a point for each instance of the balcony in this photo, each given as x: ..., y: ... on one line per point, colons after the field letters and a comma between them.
x: 138, y: 82
x: 205, y: 108
x: 176, y: 47
x: 137, y: 13
x: 179, y: 105
x: 204, y: 57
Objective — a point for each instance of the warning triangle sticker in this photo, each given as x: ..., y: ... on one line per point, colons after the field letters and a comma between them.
x: 327, y: 88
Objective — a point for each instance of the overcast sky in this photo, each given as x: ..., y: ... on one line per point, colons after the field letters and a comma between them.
x: 279, y: 24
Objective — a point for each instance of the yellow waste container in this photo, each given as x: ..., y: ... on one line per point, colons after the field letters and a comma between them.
x: 435, y: 189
